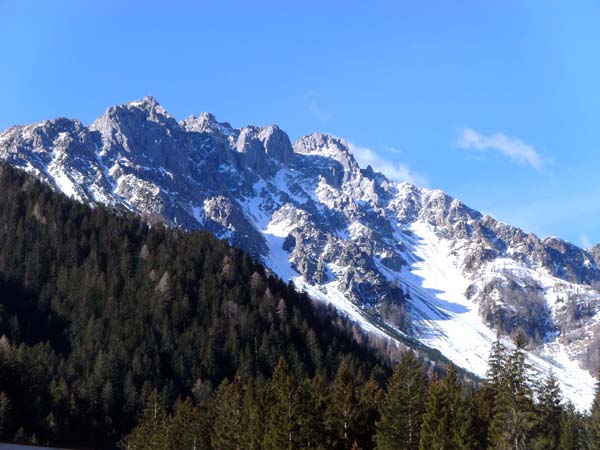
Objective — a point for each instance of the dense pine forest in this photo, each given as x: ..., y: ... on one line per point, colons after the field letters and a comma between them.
x: 508, y: 411
x: 98, y: 310
x: 119, y: 334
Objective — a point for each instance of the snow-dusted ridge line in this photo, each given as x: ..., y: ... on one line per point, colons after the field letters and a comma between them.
x: 342, y: 233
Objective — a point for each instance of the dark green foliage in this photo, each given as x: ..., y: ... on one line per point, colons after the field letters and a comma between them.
x: 513, y: 416
x: 106, y: 323
x: 153, y: 431
x: 594, y: 420
x: 283, y: 417
x: 228, y: 428
x: 549, y: 411
x: 369, y: 398
x: 447, y: 422
x: 403, y: 407
x: 313, y: 400
x: 98, y: 310
x: 343, y: 413
x: 434, y: 433
x: 572, y: 433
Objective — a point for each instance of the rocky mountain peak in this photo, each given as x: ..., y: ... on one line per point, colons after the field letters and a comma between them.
x: 144, y: 133
x: 264, y: 147
x: 133, y: 116
x: 207, y: 123
x: 327, y: 146
x: 276, y: 143
x: 404, y: 262
x: 147, y: 104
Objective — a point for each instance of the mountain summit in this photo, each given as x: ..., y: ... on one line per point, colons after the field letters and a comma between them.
x: 405, y: 262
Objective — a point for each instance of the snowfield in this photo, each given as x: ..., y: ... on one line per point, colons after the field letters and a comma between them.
x: 453, y: 325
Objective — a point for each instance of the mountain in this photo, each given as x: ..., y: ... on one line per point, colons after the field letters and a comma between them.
x: 409, y: 263
x: 97, y: 309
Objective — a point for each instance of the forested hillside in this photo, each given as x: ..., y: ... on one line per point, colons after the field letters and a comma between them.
x: 508, y: 411
x: 98, y: 310
x: 115, y: 333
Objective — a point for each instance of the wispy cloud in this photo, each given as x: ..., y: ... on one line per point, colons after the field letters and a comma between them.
x: 585, y: 241
x: 315, y: 108
x: 517, y: 150
x: 393, y: 170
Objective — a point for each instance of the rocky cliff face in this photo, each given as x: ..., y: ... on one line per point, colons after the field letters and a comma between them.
x: 392, y: 255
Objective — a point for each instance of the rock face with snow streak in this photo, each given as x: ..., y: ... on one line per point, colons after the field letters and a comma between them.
x: 392, y: 255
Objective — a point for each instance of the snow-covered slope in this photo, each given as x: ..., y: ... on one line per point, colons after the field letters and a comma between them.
x: 451, y: 323
x: 402, y: 261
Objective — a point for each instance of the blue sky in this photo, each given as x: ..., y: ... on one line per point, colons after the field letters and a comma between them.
x: 495, y: 102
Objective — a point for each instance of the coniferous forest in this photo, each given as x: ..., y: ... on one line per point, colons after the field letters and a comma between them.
x: 115, y: 334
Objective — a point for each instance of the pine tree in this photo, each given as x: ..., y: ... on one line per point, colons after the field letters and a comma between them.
x: 227, y: 429
x: 594, y: 420
x: 549, y: 412
x: 152, y: 430
x: 204, y: 401
x: 447, y: 423
x: 513, y: 417
x: 570, y: 426
x: 402, y: 409
x: 313, y: 400
x: 5, y: 414
x: 282, y: 417
x: 496, y: 366
x: 465, y: 433
x: 434, y: 431
x: 342, y: 413
x: 184, y: 427
x: 369, y: 399
x: 252, y: 417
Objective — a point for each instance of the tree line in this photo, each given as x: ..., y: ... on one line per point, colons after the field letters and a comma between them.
x: 114, y: 333
x: 508, y: 411
x: 97, y: 310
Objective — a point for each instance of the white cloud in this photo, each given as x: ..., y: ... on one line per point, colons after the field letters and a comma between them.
x: 517, y: 150
x: 394, y: 171
x: 585, y: 241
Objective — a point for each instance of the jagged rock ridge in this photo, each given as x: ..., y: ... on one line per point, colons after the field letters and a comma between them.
x: 392, y: 255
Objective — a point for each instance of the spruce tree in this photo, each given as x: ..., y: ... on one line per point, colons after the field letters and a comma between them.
x: 465, y: 433
x: 5, y: 414
x: 485, y: 398
x: 185, y: 427
x: 369, y: 399
x: 549, y: 412
x: 252, y: 417
x: 459, y: 414
x: 447, y: 423
x: 152, y: 430
x: 313, y: 401
x: 594, y: 420
x: 434, y: 431
x: 496, y: 363
x: 402, y: 408
x: 228, y: 407
x: 342, y: 413
x: 570, y: 429
x: 513, y: 415
x: 204, y: 401
x: 282, y: 417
